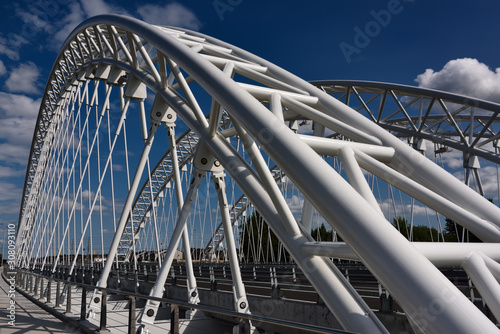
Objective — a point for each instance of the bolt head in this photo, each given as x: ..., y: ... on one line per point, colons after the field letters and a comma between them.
x: 150, y: 312
x: 158, y: 114
x: 97, y: 300
x: 193, y: 294
x: 169, y: 116
x: 204, y: 161
x: 216, y: 163
x: 243, y: 305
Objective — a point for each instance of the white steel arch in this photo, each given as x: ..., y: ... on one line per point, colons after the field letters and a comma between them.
x: 255, y: 101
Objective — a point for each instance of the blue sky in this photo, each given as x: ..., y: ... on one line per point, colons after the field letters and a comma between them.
x: 452, y: 45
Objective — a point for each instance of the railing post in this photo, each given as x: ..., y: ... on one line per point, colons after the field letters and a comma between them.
x: 58, y: 294
x: 49, y: 291
x: 41, y: 288
x: 83, y: 309
x: 68, y: 298
x: 131, y: 316
x: 174, y: 319
x: 213, y: 282
x: 35, y: 290
x: 104, y: 315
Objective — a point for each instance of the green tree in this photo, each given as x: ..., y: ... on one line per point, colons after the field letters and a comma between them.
x: 259, y: 243
x: 321, y: 234
x: 454, y: 233
x: 419, y: 232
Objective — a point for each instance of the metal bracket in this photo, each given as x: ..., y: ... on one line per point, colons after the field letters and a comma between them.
x: 135, y: 89
x: 102, y: 71
x: 95, y: 303
x: 161, y: 112
x: 116, y: 76
x: 241, y: 305
x: 205, y: 161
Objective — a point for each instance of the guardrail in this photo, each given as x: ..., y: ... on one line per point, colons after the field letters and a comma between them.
x: 277, y: 277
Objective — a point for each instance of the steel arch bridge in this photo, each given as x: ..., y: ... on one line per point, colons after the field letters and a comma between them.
x: 271, y: 143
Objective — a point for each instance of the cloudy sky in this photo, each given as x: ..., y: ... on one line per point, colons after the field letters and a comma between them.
x: 445, y: 45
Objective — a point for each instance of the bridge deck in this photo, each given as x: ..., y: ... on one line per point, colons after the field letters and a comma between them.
x: 30, y: 318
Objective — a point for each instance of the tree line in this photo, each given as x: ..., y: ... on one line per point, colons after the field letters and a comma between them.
x: 259, y: 244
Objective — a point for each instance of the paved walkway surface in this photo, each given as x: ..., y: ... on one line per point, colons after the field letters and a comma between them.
x: 29, y: 318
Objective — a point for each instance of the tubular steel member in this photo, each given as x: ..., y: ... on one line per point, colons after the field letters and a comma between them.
x: 241, y: 304
x: 191, y: 280
x: 149, y: 311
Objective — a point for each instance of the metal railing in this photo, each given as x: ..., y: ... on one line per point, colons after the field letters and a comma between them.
x: 33, y: 284
x: 277, y: 277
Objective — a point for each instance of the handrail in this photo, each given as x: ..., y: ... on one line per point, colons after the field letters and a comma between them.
x: 186, y: 305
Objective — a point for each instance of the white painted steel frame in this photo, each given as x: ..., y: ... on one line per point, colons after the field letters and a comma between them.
x: 392, y: 259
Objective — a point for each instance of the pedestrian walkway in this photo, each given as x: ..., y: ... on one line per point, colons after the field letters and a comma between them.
x: 29, y: 318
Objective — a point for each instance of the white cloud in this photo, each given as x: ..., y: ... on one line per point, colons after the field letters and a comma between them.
x: 35, y: 20
x: 465, y: 76
x: 74, y: 14
x: 118, y: 168
x: 14, y: 154
x: 14, y: 105
x: 9, y: 191
x: 295, y: 203
x: 172, y: 14
x: 489, y: 180
x: 69, y: 22
x: 17, y: 130
x: 18, y: 114
x: 98, y: 7
x: 10, y: 47
x: 24, y: 79
x: 10, y: 208
x: 453, y: 159
x: 3, y: 70
x: 10, y: 172
x: 391, y: 209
